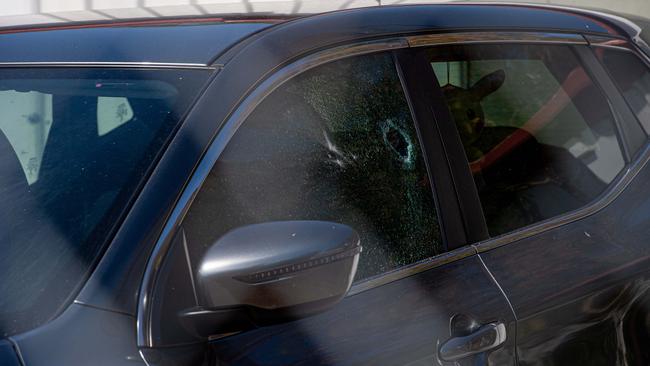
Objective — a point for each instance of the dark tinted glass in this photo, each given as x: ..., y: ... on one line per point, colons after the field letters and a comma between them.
x: 538, y: 134
x: 336, y: 143
x: 632, y: 76
x: 74, y: 146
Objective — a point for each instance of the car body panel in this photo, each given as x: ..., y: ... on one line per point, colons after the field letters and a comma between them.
x: 402, y: 323
x: 596, y: 250
x: 81, y: 336
x: 8, y: 355
x: 125, y: 43
x: 590, y: 285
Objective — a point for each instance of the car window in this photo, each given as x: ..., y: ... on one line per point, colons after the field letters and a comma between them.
x: 336, y: 143
x: 538, y: 134
x: 74, y: 146
x: 632, y: 76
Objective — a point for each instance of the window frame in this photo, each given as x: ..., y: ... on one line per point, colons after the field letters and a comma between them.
x: 431, y: 128
x: 465, y: 203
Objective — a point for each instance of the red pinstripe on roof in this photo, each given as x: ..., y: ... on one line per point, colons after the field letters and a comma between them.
x: 140, y: 23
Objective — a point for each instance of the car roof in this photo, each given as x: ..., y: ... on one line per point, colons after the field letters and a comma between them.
x: 198, y: 41
x: 188, y: 41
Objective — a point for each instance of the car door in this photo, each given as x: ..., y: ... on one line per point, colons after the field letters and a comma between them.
x: 342, y: 142
x: 557, y: 159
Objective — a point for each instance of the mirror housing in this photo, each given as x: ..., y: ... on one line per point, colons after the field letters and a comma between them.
x: 273, y: 272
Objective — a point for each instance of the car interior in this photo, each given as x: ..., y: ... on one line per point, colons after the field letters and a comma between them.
x: 525, y: 168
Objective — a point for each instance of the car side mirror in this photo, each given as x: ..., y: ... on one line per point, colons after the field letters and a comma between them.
x: 272, y: 272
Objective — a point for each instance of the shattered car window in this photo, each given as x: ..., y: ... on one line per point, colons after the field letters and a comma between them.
x: 338, y: 144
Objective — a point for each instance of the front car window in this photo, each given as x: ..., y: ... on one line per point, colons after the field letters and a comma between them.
x: 74, y: 146
x: 337, y: 143
x: 538, y: 133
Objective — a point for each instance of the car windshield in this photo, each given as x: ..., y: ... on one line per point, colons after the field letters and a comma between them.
x: 75, y: 145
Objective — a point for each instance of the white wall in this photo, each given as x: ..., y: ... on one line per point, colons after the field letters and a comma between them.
x: 26, y: 120
x: 17, y: 12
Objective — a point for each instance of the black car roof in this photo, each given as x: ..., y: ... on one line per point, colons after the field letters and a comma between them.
x: 200, y: 40
x: 177, y: 41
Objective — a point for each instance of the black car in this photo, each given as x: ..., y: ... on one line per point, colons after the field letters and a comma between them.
x: 459, y: 184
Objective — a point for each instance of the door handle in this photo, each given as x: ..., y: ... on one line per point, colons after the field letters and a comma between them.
x: 485, y: 338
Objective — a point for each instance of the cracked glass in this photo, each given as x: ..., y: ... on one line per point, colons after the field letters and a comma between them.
x: 336, y: 143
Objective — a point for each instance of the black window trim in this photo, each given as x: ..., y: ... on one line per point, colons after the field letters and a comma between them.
x: 419, y: 95
x: 452, y: 182
x: 355, y: 48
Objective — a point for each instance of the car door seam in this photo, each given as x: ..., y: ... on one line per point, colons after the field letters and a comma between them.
x: 505, y: 296
x: 16, y: 348
x: 496, y: 283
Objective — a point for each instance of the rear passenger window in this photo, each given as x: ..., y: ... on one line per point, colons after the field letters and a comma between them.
x: 632, y: 77
x: 538, y: 134
x: 337, y: 143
